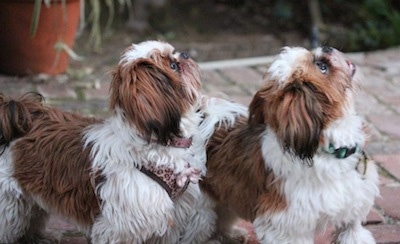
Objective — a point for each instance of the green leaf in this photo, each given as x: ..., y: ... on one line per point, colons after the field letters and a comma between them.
x: 35, y: 17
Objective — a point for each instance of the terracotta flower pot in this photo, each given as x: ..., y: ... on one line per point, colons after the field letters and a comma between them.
x: 22, y: 54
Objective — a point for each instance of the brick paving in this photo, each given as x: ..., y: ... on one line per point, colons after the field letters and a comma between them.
x: 379, y: 103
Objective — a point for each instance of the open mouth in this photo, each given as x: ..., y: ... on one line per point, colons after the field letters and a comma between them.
x: 352, y: 67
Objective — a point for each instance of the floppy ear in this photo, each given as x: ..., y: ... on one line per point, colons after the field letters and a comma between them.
x: 256, y: 110
x: 300, y: 120
x: 150, y: 98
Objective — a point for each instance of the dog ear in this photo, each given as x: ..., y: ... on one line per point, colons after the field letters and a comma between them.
x: 150, y: 99
x: 300, y: 119
x: 256, y: 109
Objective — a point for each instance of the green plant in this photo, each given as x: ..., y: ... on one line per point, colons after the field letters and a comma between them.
x: 367, y: 24
x: 36, y: 14
x: 94, y: 17
x: 96, y: 13
x: 379, y: 26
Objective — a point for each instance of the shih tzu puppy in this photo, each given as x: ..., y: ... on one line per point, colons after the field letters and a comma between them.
x: 297, y: 163
x: 129, y: 178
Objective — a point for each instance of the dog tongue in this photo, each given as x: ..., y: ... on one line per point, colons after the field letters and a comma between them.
x: 352, y: 67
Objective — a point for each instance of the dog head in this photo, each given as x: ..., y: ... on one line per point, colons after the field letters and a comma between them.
x: 153, y: 87
x: 303, y: 92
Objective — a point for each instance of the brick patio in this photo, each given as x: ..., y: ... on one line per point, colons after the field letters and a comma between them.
x: 379, y: 103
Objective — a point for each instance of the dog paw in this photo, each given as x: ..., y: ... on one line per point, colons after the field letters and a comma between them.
x: 195, y: 176
x: 181, y: 181
x: 189, y: 174
x: 44, y: 237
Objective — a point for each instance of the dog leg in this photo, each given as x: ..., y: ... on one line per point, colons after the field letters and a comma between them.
x: 194, y: 219
x: 353, y: 233
x: 105, y: 231
x: 226, y: 229
x: 14, y: 214
x: 202, y: 219
x: 135, y: 209
x: 274, y: 232
x: 36, y: 232
x: 18, y: 218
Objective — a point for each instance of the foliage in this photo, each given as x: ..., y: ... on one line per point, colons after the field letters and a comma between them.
x: 96, y: 12
x: 36, y: 13
x: 379, y: 26
x: 353, y: 25
x: 95, y: 8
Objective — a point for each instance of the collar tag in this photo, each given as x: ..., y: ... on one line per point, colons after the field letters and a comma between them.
x: 342, y: 152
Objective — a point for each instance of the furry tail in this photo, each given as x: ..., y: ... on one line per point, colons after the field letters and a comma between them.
x: 16, y: 116
x: 219, y: 113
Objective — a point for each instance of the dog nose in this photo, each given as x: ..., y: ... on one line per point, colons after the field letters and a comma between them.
x: 326, y: 49
x: 185, y: 55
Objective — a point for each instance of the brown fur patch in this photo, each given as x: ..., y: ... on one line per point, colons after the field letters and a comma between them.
x: 49, y: 159
x: 51, y: 163
x: 236, y: 174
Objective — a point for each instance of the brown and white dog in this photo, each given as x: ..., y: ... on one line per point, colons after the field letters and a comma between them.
x: 126, y: 179
x: 297, y: 164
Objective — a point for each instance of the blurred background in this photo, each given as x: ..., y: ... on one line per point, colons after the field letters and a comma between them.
x: 219, y: 29
x: 206, y: 29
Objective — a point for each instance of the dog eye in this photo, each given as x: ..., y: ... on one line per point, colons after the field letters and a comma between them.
x: 174, y: 66
x: 322, y: 67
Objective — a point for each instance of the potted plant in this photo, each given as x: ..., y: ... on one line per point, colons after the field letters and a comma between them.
x: 37, y: 36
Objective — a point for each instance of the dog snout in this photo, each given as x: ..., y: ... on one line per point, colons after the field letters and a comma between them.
x: 326, y: 49
x: 185, y: 55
